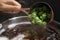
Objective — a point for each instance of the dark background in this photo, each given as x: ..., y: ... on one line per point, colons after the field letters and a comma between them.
x: 55, y: 4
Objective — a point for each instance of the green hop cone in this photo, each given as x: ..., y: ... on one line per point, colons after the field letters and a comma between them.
x: 44, y: 23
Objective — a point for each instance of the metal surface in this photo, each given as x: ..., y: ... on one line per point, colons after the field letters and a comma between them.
x: 21, y: 20
x: 11, y: 23
x: 25, y: 20
x: 15, y: 20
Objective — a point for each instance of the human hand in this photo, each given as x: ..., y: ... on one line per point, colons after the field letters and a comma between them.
x: 9, y: 6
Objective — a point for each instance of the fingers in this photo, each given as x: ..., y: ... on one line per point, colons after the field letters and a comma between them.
x: 16, y: 3
x: 15, y: 12
x: 13, y: 2
x: 25, y: 10
x: 10, y: 8
x: 13, y: 7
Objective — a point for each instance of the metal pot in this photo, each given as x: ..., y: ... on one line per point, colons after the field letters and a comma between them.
x: 25, y: 24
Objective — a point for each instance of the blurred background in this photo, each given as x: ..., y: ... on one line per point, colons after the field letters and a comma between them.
x: 55, y: 4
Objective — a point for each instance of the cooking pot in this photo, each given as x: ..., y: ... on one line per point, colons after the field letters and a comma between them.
x: 24, y: 24
x: 10, y: 25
